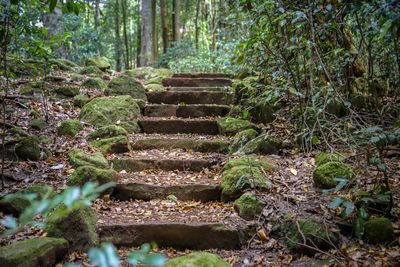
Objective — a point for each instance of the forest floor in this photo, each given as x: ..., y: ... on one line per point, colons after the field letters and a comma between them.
x: 292, y: 190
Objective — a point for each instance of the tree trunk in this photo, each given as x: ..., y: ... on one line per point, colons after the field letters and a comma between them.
x: 138, y: 34
x: 124, y: 17
x: 176, y: 34
x: 147, y: 37
x: 196, y: 25
x: 54, y: 24
x: 97, y: 14
x: 164, y: 25
x: 117, y: 38
x: 155, y: 32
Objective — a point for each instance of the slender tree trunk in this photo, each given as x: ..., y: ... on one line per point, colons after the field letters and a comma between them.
x: 155, y: 32
x: 164, y: 25
x: 124, y: 18
x: 138, y: 34
x: 97, y: 14
x: 147, y: 37
x: 176, y: 34
x: 117, y: 38
x: 196, y: 25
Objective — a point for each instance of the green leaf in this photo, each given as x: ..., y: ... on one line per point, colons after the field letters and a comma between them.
x: 386, y: 28
x: 349, y: 208
x: 336, y: 202
x: 52, y: 5
x: 359, y: 227
x: 155, y: 260
x: 9, y: 222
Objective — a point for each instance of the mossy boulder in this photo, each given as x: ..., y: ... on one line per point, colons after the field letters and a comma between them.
x: 69, y: 127
x: 248, y: 206
x: 15, y: 203
x: 86, y: 174
x: 315, y: 234
x: 264, y: 144
x: 241, y: 138
x: 239, y: 177
x: 76, y: 77
x: 79, y: 158
x: 231, y: 126
x: 77, y: 226
x: 67, y: 90
x: 263, y: 112
x: 325, y: 157
x: 107, y: 132
x: 147, y: 73
x: 36, y: 252
x: 325, y: 175
x: 18, y: 67
x: 91, y: 71
x: 198, y: 259
x: 54, y: 79
x: 94, y: 82
x: 103, y: 111
x: 379, y: 230
x: 80, y: 100
x: 250, y: 161
x: 125, y: 85
x: 29, y: 148
x: 115, y: 144
x: 100, y: 62
x: 39, y: 124
x: 63, y: 64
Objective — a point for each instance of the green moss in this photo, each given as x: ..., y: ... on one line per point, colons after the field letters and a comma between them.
x: 39, y: 251
x: 92, y: 71
x: 155, y: 87
x: 68, y: 91
x: 102, y: 111
x: 248, y: 206
x: 379, y: 230
x: 52, y: 78
x: 263, y: 112
x: 230, y: 126
x: 23, y: 67
x: 325, y: 157
x: 325, y: 174
x: 29, y: 148
x: 94, y: 82
x: 80, y: 100
x: 115, y: 144
x: 70, y: 127
x: 154, y: 80
x: 107, y: 131
x: 64, y: 223
x: 79, y: 158
x: 125, y: 85
x: 63, y: 64
x: 15, y: 203
x: 38, y: 124
x: 397, y: 123
x: 100, y: 62
x: 263, y: 144
x: 197, y: 259
x: 76, y: 77
x: 19, y: 131
x: 241, y: 138
x: 86, y: 174
x: 249, y: 161
x: 148, y: 73
x: 236, y: 112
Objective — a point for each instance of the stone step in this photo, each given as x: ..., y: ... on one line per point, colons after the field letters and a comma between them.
x: 185, y: 111
x: 158, y: 184
x: 181, y: 225
x: 196, y: 82
x: 175, y: 125
x: 198, y: 89
x: 217, y: 144
x: 202, y: 75
x: 168, y: 97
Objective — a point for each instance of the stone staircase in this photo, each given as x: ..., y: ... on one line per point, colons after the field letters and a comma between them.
x: 168, y: 188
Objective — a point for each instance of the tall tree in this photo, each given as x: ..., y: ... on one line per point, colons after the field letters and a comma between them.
x: 196, y: 24
x: 176, y: 34
x: 147, y: 36
x: 117, y: 38
x: 138, y: 33
x: 97, y: 14
x: 164, y: 25
x: 124, y: 18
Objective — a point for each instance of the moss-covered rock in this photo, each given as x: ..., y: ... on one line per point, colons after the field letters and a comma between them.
x: 63, y: 64
x: 18, y: 67
x: 241, y: 138
x: 77, y: 226
x: 54, y: 79
x: 325, y: 157
x: 239, y: 176
x: 36, y: 252
x: 76, y: 77
x: 103, y: 111
x: 28, y: 148
x: 147, y: 73
x: 80, y: 100
x: 67, y: 90
x: 100, y: 62
x: 264, y: 144
x: 94, y: 82
x: 115, y: 144
x: 379, y: 230
x: 15, y: 203
x: 197, y: 259
x: 315, y: 233
x: 155, y: 87
x: 107, y: 132
x: 263, y: 112
x: 250, y: 161
x: 91, y: 71
x: 125, y: 85
x: 86, y: 174
x: 325, y: 174
x: 231, y: 126
x: 248, y: 206
x: 39, y: 124
x: 69, y: 127
x: 79, y: 158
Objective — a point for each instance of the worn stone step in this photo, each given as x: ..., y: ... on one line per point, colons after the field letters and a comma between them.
x: 196, y: 82
x: 175, y: 125
x: 199, y: 89
x: 182, y: 225
x: 185, y: 111
x: 168, y: 97
x: 202, y: 75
